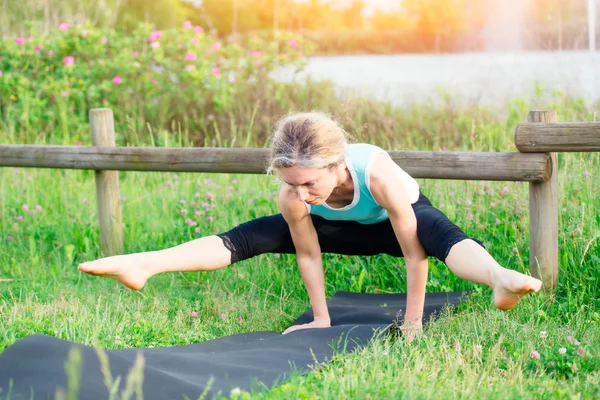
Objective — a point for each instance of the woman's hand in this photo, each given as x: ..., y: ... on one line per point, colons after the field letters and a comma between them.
x: 317, y: 323
x: 412, y: 329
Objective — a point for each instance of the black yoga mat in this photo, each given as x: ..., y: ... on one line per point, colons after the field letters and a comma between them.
x: 34, y: 367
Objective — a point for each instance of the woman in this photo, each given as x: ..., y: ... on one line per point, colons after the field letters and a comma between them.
x: 340, y: 198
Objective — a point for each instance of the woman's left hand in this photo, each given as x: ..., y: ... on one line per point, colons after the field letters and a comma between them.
x: 317, y: 323
x: 411, y: 329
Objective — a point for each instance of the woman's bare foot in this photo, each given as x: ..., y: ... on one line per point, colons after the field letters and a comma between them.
x: 510, y: 286
x: 127, y: 269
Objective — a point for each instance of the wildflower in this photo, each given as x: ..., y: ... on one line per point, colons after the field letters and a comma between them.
x: 37, y: 48
x: 183, y: 211
x: 478, y: 348
x: 154, y: 81
x: 215, y: 71
x: 543, y: 334
x: 199, y: 213
x: 231, y: 188
x: 197, y: 230
x: 123, y: 198
x: 10, y: 238
x: 187, y: 25
x: 210, y: 195
x: 198, y: 29
x: 69, y: 60
x: 20, y: 40
x: 492, y: 204
x: 19, y: 218
x: 205, y: 206
x: 515, y: 252
x: 586, y: 174
x: 581, y: 352
x: 50, y: 53
x: 84, y: 201
x: 182, y: 202
x: 191, y: 56
x: 154, y: 36
x: 193, y: 203
x: 38, y: 208
x: 103, y: 40
x: 137, y: 64
x: 64, y: 93
x: 189, y: 67
x: 223, y: 316
x: 569, y: 338
x: 84, y: 34
x: 293, y: 43
x: 195, y: 40
x: 155, y: 45
x: 0, y: 74
x: 233, y: 181
x: 498, y: 222
x: 210, y: 220
x: 63, y: 27
x: 194, y: 314
x: 562, y: 351
x: 117, y: 80
x: 240, y: 319
x: 535, y: 355
x: 256, y: 53
x: 25, y: 207
x: 135, y: 54
x: 576, y: 343
x: 216, y: 46
x: 236, y: 391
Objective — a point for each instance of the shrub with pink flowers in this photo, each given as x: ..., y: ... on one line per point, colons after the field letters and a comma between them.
x: 154, y: 78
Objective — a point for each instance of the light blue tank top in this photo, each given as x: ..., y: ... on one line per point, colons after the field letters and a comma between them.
x: 363, y: 208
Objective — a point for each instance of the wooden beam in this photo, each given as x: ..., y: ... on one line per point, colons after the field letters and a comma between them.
x: 493, y: 166
x: 102, y: 127
x: 559, y: 137
x: 543, y: 218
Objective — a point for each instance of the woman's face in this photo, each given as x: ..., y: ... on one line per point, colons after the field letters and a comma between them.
x: 312, y: 185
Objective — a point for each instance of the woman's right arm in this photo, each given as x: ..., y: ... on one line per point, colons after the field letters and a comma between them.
x: 308, y: 255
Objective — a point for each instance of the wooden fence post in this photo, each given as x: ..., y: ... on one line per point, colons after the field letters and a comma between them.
x: 102, y: 126
x: 543, y: 217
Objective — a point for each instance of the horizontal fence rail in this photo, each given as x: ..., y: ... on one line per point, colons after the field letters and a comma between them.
x: 495, y: 166
x: 558, y: 137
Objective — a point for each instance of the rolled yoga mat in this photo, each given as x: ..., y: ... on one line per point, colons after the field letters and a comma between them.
x: 34, y: 367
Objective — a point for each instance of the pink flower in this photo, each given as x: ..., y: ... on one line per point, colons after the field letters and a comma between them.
x: 223, y: 316
x: 38, y: 208
x: 84, y: 33
x: 194, y: 314
x: 0, y: 74
x: 187, y: 25
x: 190, y: 56
x: 569, y: 338
x: 197, y: 230
x: 205, y: 206
x: 182, y: 202
x: 154, y: 35
x: 10, y: 238
x: 198, y: 29
x: 199, y: 213
x: 25, y: 207
x: 586, y: 174
x: 37, y: 48
x: 240, y: 319
x: 50, y: 53
x: 215, y: 71
x: 210, y: 195
x: 69, y: 60
x: 293, y: 43
x: 103, y: 40
x: 535, y: 355
x: 19, y: 218
x: 63, y: 27
x: 135, y: 54
x: 189, y: 67
x: 20, y: 40
x: 498, y: 222
x: 210, y: 220
x: 581, y: 352
x: 64, y: 93
x: 84, y: 201
x: 195, y: 40
x: 256, y: 53
x: 183, y: 211
x: 216, y: 46
x: 154, y: 81
x: 117, y: 80
x: 155, y: 45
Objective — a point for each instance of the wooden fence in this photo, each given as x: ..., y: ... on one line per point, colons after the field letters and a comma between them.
x: 538, y: 142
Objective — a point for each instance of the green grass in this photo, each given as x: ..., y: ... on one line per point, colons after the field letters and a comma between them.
x: 41, y: 291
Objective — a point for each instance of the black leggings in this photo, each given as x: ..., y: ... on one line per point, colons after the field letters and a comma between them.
x: 271, y: 234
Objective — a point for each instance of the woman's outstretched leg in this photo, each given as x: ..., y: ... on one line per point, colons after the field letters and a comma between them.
x: 133, y: 270
x: 470, y: 261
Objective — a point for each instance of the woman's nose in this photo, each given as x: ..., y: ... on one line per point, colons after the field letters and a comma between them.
x: 302, y: 193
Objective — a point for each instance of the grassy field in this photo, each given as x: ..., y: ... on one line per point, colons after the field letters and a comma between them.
x: 49, y: 225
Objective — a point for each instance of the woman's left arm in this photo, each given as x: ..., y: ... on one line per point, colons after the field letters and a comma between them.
x: 388, y: 191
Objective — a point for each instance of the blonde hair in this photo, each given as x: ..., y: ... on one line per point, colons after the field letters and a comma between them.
x: 307, y: 139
